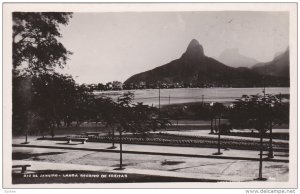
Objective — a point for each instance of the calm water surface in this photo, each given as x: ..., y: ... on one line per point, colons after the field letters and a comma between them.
x: 184, y: 95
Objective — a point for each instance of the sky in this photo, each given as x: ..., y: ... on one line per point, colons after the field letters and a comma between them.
x: 114, y: 46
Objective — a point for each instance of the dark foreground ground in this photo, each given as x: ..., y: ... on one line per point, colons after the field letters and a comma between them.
x: 61, y: 177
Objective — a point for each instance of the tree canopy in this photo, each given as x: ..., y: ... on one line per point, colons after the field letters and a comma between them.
x: 259, y: 112
x: 36, y: 46
x: 126, y: 116
x: 40, y: 96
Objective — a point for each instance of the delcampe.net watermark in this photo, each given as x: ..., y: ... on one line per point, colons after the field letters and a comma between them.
x: 251, y: 191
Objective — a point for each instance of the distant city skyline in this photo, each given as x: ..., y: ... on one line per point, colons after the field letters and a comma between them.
x: 115, y: 46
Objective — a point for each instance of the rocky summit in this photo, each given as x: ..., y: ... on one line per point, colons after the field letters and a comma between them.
x: 194, y: 69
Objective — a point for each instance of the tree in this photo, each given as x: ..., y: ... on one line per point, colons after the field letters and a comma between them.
x: 278, y: 113
x: 135, y: 118
x: 53, y: 99
x: 109, y: 116
x: 201, y: 111
x: 260, y: 112
x: 43, y: 102
x: 36, y: 51
x: 216, y: 111
x: 173, y: 113
x: 36, y: 48
x: 22, y: 97
x: 84, y: 104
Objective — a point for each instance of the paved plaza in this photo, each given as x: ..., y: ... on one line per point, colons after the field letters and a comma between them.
x: 171, y: 161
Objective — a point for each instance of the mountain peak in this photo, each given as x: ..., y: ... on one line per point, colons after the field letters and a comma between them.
x: 232, y: 57
x: 194, y: 50
x: 194, y: 69
x: 194, y: 43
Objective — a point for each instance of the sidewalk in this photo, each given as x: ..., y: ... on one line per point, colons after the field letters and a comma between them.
x: 155, y: 150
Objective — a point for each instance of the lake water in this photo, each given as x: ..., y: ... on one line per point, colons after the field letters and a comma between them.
x: 184, y: 95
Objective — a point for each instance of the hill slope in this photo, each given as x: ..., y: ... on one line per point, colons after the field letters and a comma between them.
x: 233, y: 58
x: 279, y: 66
x: 194, y: 69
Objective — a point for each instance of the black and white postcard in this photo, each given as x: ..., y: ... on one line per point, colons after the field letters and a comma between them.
x: 163, y: 95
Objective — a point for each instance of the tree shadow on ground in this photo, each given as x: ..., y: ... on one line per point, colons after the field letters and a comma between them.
x: 111, y: 148
x: 275, y: 166
x: 186, y: 167
x: 284, y: 155
x: 26, y: 155
x: 118, y: 165
x: 69, y: 144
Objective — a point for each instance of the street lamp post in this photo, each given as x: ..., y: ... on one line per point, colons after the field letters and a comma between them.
x: 212, y: 118
x: 271, y: 153
x: 159, y: 95
x: 219, y: 137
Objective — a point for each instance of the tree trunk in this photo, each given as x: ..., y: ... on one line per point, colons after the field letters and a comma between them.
x: 52, y: 131
x: 113, y: 138
x: 219, y: 138
x: 58, y: 123
x: 271, y: 154
x: 219, y: 124
x: 27, y: 126
x: 215, y: 125
x: 260, y: 155
x: 211, y: 126
x: 78, y: 123
x: 26, y: 136
x: 121, y: 159
x: 42, y: 132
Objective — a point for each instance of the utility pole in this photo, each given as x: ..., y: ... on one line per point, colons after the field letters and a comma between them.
x: 219, y: 137
x: 159, y: 95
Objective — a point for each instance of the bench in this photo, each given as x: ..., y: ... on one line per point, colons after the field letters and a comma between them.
x: 24, y: 167
x: 70, y: 139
